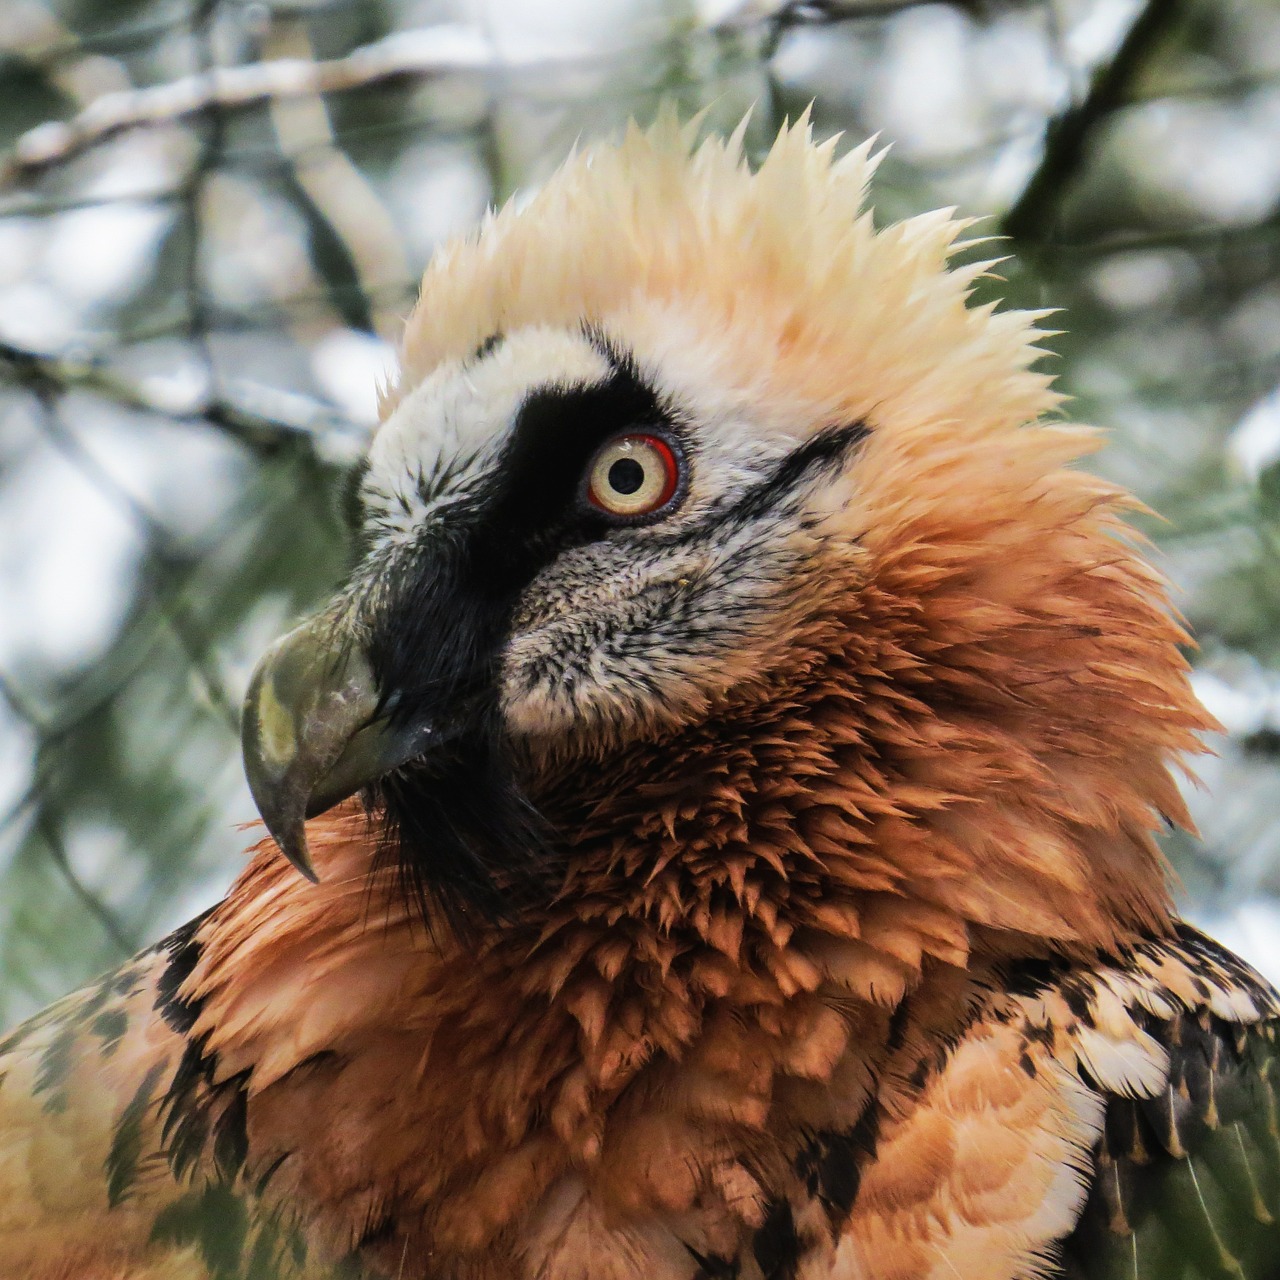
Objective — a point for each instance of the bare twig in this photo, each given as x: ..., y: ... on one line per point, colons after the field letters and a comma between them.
x: 23, y: 204
x: 427, y: 53
x: 17, y: 704
x: 127, y: 36
x: 111, y: 926
x: 354, y: 242
x: 160, y: 555
x: 433, y: 51
x: 813, y: 12
x: 214, y: 131
x: 1212, y: 238
x: 265, y: 419
x: 135, y: 648
x: 301, y: 306
x: 1068, y: 135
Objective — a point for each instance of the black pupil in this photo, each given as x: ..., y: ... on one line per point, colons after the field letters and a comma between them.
x: 626, y: 476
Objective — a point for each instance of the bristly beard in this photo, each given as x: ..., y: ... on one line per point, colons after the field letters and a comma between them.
x: 467, y: 845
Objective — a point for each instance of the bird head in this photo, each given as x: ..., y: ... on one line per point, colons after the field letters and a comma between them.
x: 671, y: 437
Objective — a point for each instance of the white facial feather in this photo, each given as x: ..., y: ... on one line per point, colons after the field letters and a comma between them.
x: 446, y: 437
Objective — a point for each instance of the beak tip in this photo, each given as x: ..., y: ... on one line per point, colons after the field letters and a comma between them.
x: 292, y: 842
x: 287, y: 826
x: 314, y: 731
x: 308, y: 873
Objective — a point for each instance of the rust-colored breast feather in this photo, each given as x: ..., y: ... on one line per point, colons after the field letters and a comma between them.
x: 1022, y: 1118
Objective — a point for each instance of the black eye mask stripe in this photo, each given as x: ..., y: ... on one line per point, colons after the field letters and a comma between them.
x: 459, y: 829
x: 496, y: 542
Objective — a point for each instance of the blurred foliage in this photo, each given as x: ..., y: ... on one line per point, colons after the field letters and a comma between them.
x: 203, y: 268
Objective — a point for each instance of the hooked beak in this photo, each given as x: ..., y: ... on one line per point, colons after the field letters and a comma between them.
x: 315, y: 731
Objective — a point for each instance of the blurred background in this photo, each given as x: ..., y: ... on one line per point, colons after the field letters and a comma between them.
x: 213, y: 214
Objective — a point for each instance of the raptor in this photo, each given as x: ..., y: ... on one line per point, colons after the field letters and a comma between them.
x: 711, y: 832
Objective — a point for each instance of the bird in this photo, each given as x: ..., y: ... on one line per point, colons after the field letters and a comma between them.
x: 712, y: 832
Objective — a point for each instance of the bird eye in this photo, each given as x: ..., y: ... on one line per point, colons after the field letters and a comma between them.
x: 633, y: 475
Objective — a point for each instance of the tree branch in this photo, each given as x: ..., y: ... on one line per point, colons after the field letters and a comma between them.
x: 1067, y: 136
x: 264, y: 419
x: 813, y: 12
x: 111, y: 925
x: 434, y: 51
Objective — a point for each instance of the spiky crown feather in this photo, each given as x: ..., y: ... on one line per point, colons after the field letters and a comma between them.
x: 849, y: 321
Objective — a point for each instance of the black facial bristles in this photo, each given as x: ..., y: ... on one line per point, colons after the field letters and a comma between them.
x: 465, y: 843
